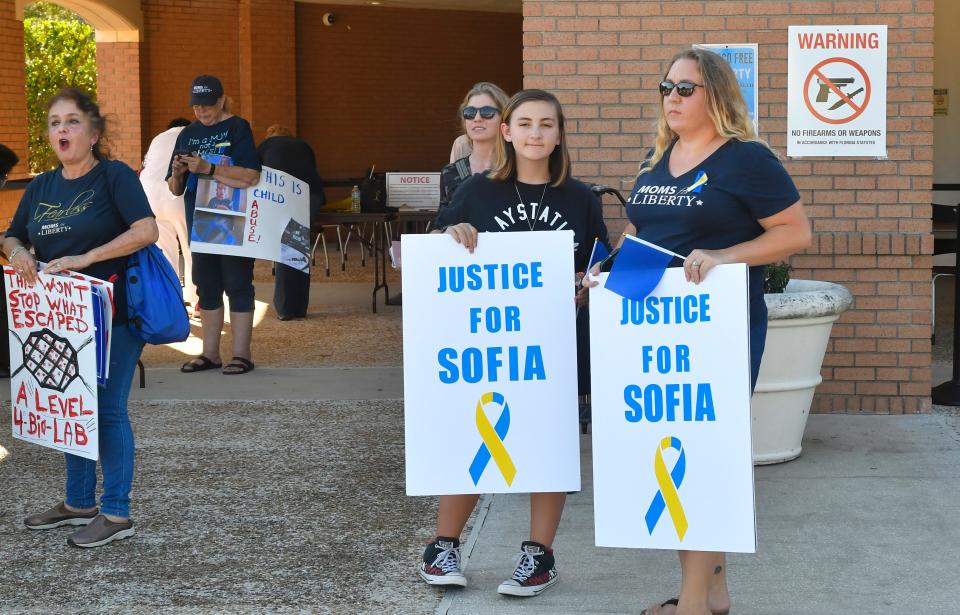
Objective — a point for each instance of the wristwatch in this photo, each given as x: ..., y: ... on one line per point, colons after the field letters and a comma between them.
x: 213, y: 169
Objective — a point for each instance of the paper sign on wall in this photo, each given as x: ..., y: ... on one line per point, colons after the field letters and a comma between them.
x: 270, y: 220
x: 489, y: 358
x: 742, y: 58
x: 837, y: 91
x: 53, y: 361
x: 672, y: 460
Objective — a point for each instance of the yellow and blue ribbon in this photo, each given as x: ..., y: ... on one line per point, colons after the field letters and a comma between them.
x: 492, y: 437
x: 667, y: 496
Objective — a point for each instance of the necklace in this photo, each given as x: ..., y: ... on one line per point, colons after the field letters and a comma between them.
x: 531, y: 219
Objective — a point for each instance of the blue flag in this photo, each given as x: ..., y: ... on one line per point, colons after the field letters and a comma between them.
x: 598, y: 254
x: 638, y: 268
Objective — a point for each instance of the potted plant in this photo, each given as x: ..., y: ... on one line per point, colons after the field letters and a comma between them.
x: 801, y: 314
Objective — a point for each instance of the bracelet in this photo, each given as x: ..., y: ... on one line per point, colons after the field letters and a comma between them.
x: 213, y: 169
x: 14, y: 252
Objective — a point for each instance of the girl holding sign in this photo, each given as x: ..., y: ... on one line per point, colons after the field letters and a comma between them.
x: 529, y: 189
x: 86, y: 216
x: 713, y: 190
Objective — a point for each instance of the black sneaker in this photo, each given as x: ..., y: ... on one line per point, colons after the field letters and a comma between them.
x: 101, y: 531
x: 57, y: 516
x: 441, y: 563
x: 535, y: 571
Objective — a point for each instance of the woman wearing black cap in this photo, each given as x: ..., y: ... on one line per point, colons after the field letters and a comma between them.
x: 217, y: 135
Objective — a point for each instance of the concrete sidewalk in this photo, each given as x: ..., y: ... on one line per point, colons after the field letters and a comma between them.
x: 865, y: 521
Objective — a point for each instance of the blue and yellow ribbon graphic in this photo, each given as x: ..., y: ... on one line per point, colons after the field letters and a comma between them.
x: 493, y: 440
x: 669, y: 483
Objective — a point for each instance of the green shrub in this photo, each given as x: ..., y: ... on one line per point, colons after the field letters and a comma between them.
x: 776, y: 278
x: 60, y: 52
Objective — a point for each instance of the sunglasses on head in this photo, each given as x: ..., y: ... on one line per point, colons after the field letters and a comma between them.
x: 486, y: 112
x: 684, y: 88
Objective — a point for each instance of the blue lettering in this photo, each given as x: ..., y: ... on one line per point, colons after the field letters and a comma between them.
x: 473, y: 276
x: 472, y: 365
x: 450, y: 373
x: 630, y: 394
x: 656, y: 403
x: 533, y: 370
x: 705, y: 403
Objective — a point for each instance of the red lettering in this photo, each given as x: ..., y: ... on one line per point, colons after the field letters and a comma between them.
x: 37, y: 405
x: 21, y: 394
x: 18, y: 419
x: 80, y: 435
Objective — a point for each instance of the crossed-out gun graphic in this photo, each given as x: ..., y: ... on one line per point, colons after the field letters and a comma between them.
x: 824, y: 91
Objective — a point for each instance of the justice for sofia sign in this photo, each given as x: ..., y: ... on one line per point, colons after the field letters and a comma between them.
x: 489, y: 364
x: 672, y: 465
x: 837, y: 91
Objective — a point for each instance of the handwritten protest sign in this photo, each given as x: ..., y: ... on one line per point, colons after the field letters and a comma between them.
x: 270, y: 220
x: 489, y: 357
x: 672, y: 466
x: 53, y: 363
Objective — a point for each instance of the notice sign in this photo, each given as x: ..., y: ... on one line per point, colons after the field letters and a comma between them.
x: 489, y: 364
x: 742, y: 58
x: 413, y: 190
x: 270, y: 220
x: 672, y: 459
x: 53, y: 362
x: 837, y: 91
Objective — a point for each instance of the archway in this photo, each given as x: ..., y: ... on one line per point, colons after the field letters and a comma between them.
x: 118, y: 25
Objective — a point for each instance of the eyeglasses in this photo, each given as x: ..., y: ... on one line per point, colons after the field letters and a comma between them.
x: 486, y: 112
x: 684, y: 88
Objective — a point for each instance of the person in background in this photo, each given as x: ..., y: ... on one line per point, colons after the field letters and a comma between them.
x: 8, y: 160
x: 480, y: 117
x: 169, y: 209
x: 104, y: 217
x: 217, y: 132
x: 283, y: 151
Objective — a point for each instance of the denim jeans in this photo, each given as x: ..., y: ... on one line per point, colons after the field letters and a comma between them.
x: 116, y: 435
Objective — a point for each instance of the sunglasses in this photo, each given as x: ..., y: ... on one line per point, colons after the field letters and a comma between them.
x: 486, y: 112
x: 684, y: 88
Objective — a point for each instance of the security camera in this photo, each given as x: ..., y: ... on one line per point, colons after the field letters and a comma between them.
x: 328, y: 19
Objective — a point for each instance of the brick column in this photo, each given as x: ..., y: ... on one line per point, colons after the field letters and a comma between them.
x: 268, y: 71
x: 13, y: 103
x: 871, y: 217
x: 118, y: 93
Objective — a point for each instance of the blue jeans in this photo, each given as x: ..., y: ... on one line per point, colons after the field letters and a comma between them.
x: 116, y: 436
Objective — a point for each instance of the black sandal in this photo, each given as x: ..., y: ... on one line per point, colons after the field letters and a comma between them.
x: 244, y: 365
x: 204, y: 364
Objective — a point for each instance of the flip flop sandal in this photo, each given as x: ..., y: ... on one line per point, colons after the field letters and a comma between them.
x: 244, y: 365
x: 204, y: 364
x: 676, y: 602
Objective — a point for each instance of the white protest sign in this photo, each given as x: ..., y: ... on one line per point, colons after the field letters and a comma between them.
x: 270, y: 220
x: 489, y: 364
x: 53, y: 362
x: 837, y: 91
x: 672, y: 465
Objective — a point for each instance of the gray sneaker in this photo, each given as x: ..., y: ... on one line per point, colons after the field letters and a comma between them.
x: 57, y: 516
x: 101, y: 531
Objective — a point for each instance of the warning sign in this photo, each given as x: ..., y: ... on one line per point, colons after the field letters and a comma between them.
x: 836, y: 92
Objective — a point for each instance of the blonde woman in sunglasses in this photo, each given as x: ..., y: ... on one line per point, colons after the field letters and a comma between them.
x: 713, y: 190
x: 480, y: 116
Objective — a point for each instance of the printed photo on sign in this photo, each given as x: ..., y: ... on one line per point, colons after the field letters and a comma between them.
x: 217, y: 228
x: 53, y: 362
x: 836, y: 91
x: 219, y: 196
x: 670, y: 396
x: 295, y: 246
x: 490, y: 370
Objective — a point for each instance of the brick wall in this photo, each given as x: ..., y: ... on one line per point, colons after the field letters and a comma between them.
x: 268, y: 69
x: 183, y: 39
x: 871, y: 217
x: 13, y: 99
x: 382, y: 86
x: 118, y: 93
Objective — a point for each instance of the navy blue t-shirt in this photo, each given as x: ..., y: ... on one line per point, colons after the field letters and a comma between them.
x: 232, y: 137
x: 715, y: 205
x: 68, y: 217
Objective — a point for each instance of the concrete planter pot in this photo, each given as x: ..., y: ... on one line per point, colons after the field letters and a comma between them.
x: 800, y: 320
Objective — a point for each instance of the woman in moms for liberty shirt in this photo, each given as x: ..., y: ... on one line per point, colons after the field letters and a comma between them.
x: 712, y: 190
x: 217, y: 132
x: 529, y: 189
x: 86, y: 216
